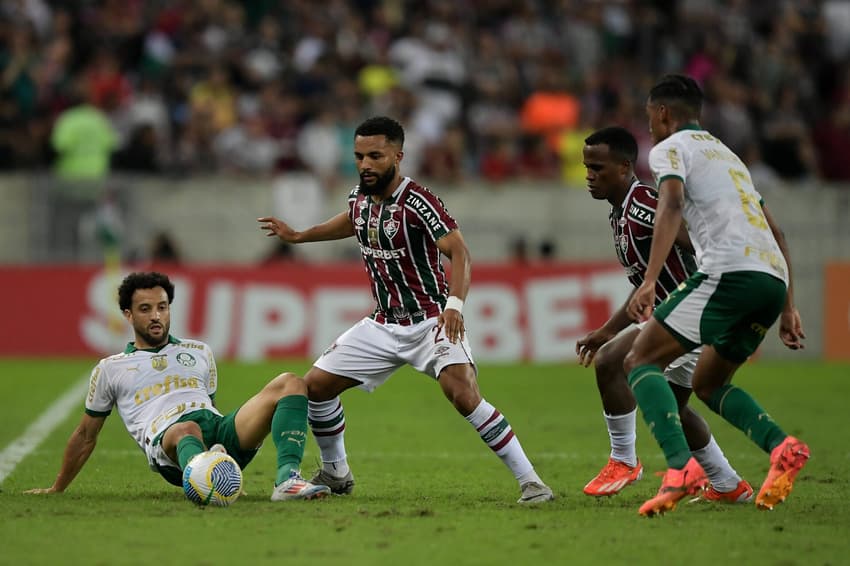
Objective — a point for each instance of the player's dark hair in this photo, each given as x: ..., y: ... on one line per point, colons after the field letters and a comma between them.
x: 620, y: 142
x: 682, y: 94
x: 142, y: 280
x: 382, y: 126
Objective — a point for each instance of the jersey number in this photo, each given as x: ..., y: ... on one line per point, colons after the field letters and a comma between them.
x: 749, y: 203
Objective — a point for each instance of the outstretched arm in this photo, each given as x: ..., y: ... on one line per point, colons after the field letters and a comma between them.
x: 336, y: 228
x: 453, y: 246
x: 790, y: 326
x: 80, y: 446
x: 668, y: 222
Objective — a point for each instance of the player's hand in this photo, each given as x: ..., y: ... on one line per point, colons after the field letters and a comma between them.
x: 41, y: 490
x: 640, y: 305
x: 791, y: 329
x: 277, y: 227
x: 587, y: 347
x: 450, y: 322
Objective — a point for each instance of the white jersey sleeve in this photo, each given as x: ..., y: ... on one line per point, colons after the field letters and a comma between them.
x: 212, y: 376
x: 669, y: 158
x: 101, y: 398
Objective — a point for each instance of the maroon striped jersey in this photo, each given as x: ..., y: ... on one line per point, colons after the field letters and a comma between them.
x: 397, y: 238
x: 632, y: 223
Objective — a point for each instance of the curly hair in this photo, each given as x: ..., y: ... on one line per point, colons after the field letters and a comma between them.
x: 143, y: 280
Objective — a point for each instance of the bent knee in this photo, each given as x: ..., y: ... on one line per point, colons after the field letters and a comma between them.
x: 631, y: 361
x: 704, y: 391
x: 183, y: 429
x: 608, y: 365
x: 287, y: 384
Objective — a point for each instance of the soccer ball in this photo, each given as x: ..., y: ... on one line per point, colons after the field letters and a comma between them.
x: 212, y: 478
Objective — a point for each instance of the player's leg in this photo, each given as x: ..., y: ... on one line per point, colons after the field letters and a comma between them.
x: 655, y: 348
x: 280, y: 408
x: 752, y: 301
x: 364, y: 356
x: 182, y: 441
x: 327, y: 421
x: 709, y: 470
x: 619, y: 409
x: 787, y: 453
x: 461, y: 389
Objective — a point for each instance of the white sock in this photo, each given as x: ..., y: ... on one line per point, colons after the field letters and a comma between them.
x: 327, y: 421
x: 495, y: 431
x: 622, y: 431
x: 722, y: 475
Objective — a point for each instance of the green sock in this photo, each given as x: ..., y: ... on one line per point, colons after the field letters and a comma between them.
x: 289, y: 432
x: 736, y: 406
x: 188, y: 447
x: 661, y: 413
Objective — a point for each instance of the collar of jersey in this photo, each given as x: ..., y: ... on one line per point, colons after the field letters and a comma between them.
x: 390, y: 199
x: 691, y: 126
x: 132, y: 347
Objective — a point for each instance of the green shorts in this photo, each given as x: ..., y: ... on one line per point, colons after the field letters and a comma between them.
x: 215, y: 430
x: 730, y: 312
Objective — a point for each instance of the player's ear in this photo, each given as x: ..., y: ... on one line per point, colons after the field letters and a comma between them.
x: 399, y: 155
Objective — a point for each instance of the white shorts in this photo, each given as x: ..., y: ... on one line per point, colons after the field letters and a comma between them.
x: 681, y: 370
x: 370, y: 352
x: 156, y: 456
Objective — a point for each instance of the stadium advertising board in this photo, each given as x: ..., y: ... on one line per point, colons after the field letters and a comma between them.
x: 836, y: 298
x: 527, y: 312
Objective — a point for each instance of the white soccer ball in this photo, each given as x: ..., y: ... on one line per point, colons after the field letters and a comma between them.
x: 212, y: 478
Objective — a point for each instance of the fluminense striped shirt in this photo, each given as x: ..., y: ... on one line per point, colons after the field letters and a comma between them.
x: 632, y: 223
x: 397, y: 239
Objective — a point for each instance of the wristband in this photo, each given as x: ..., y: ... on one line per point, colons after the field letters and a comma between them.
x: 454, y: 303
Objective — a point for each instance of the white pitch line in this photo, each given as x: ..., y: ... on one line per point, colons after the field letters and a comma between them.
x: 22, y: 446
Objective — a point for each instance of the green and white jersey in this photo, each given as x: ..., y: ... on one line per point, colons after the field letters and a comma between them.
x: 153, y: 388
x: 722, y: 211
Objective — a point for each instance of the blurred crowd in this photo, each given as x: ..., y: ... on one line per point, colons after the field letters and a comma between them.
x: 489, y: 90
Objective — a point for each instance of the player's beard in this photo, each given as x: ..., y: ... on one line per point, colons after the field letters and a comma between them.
x: 149, y: 338
x: 380, y: 185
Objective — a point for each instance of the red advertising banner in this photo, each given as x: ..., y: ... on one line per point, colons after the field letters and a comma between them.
x: 513, y: 312
x: 836, y: 320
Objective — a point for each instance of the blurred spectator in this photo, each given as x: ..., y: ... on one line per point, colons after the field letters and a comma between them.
x: 208, y: 75
x: 498, y: 160
x: 519, y: 250
x: 247, y: 148
x: 832, y: 139
x: 786, y: 144
x: 140, y: 153
x: 214, y: 99
x: 319, y: 145
x: 536, y: 159
x: 444, y: 161
x: 763, y: 176
x: 83, y: 140
x: 18, y: 62
x: 163, y: 249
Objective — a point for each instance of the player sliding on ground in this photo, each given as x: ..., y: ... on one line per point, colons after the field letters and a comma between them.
x: 609, y: 157
x: 164, y: 390
x: 742, y: 286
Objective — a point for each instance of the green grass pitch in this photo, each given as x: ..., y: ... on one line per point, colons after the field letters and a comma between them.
x: 428, y: 491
